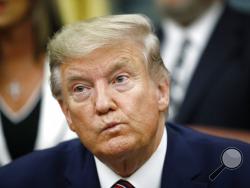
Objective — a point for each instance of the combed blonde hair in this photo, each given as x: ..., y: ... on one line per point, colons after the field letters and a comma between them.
x: 77, y: 40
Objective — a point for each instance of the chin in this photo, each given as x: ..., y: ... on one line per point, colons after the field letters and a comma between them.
x: 117, y: 148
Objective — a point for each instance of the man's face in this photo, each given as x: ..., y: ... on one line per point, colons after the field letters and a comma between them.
x: 111, y: 102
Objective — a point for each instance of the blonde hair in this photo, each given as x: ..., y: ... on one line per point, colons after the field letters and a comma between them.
x: 77, y: 40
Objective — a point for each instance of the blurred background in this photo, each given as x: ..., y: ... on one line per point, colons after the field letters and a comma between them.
x: 73, y: 10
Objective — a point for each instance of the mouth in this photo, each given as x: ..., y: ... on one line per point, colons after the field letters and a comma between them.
x: 112, y: 127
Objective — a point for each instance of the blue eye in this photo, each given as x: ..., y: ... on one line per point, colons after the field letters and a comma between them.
x: 122, y: 82
x: 121, y: 79
x: 79, y: 89
x: 80, y: 92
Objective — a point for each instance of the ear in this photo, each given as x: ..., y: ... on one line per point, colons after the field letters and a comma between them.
x: 65, y: 110
x: 163, y: 94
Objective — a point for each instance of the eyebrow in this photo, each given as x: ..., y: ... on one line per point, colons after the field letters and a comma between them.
x: 121, y: 63
x: 74, y: 75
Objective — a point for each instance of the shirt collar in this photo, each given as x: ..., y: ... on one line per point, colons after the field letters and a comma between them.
x: 152, y: 169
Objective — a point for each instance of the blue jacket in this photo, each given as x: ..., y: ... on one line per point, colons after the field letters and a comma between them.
x: 191, y: 157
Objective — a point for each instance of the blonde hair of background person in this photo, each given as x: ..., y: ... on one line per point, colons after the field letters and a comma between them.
x: 27, y: 110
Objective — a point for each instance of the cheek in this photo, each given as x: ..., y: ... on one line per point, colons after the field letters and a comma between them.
x: 141, y: 106
x: 82, y: 117
x: 84, y: 127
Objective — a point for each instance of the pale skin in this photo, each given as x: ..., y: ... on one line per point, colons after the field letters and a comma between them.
x: 117, y: 110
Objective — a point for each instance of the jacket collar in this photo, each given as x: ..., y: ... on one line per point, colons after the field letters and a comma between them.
x: 81, y: 169
x: 181, y: 167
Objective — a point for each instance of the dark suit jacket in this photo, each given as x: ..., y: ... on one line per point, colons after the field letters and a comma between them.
x: 190, y: 158
x: 219, y: 91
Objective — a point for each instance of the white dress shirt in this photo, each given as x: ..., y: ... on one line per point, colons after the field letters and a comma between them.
x: 147, y: 176
x: 198, y: 35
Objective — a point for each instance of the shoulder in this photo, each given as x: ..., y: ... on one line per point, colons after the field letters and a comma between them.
x: 205, y: 147
x: 203, y: 154
x: 202, y: 140
x: 207, y: 150
x: 50, y: 155
x: 40, y: 166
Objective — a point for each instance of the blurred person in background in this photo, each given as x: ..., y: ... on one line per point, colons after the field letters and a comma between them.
x: 29, y: 116
x: 206, y: 47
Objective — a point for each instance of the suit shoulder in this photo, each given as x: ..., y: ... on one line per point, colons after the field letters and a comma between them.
x: 204, y: 141
x: 205, y: 153
x: 39, y: 156
x: 38, y: 164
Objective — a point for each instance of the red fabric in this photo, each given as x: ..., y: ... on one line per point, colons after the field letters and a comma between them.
x: 122, y: 184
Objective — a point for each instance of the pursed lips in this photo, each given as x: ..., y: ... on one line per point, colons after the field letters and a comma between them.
x: 111, y: 125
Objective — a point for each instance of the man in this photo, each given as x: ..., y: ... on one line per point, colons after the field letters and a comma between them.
x: 111, y: 83
x: 211, y: 78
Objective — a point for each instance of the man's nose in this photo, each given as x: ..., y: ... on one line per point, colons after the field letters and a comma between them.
x: 103, y: 99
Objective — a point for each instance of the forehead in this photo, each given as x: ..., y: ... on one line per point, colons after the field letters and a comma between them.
x: 104, y: 60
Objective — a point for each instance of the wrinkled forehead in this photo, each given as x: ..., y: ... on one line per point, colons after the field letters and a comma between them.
x: 105, y: 61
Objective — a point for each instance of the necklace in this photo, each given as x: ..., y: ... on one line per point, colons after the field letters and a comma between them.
x: 15, y: 89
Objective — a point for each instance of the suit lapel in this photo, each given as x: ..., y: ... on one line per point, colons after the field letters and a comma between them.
x: 181, y: 166
x: 81, y: 169
x: 181, y: 169
x: 213, y: 63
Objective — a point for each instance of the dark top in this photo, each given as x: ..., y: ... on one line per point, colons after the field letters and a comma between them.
x: 21, y: 136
